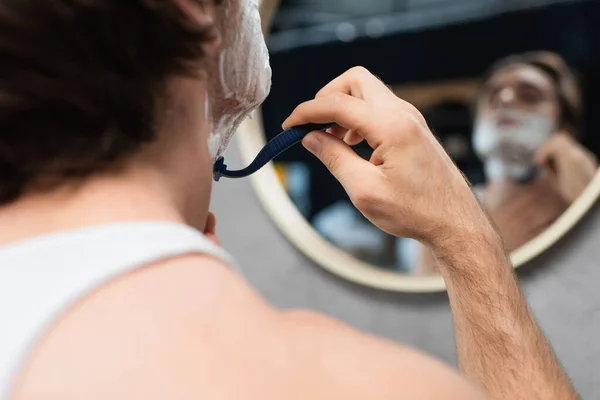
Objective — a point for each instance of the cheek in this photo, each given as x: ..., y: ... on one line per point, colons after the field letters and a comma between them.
x: 482, y: 114
x: 482, y: 140
x: 548, y: 112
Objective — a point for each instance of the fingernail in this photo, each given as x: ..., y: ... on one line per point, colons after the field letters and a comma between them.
x: 312, y: 143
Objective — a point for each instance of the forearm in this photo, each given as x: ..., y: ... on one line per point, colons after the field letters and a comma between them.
x: 499, y: 344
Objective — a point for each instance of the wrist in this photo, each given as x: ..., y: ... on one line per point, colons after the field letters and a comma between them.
x: 467, y: 242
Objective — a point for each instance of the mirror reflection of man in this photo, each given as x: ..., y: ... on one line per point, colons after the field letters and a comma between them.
x: 525, y: 129
x: 527, y: 115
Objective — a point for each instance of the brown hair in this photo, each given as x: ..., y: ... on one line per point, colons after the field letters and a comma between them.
x: 79, y: 82
x: 556, y: 68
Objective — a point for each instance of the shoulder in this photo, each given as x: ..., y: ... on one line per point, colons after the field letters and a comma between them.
x: 157, y: 327
x: 192, y: 328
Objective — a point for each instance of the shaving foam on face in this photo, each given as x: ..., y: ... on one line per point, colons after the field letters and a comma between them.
x: 508, y: 151
x: 242, y: 79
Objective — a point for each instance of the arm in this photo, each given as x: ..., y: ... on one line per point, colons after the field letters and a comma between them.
x: 498, y: 341
x: 411, y: 188
x: 353, y: 365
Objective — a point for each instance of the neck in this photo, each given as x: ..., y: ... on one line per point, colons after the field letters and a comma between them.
x: 497, y: 169
x: 136, y: 195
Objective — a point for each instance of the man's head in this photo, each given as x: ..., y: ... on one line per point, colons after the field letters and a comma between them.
x: 90, y: 85
x: 523, y: 101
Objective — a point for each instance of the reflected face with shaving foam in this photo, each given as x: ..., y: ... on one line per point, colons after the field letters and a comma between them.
x: 518, y: 111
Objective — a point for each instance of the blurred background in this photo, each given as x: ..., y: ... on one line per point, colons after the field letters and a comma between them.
x: 432, y: 53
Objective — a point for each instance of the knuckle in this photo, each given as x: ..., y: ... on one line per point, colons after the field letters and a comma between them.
x: 365, y: 199
x: 321, y: 93
x: 359, y: 69
x: 331, y: 160
x: 339, y: 105
x: 359, y: 73
x: 407, y: 130
x: 337, y: 98
x: 415, y: 126
x: 333, y: 104
x: 414, y: 112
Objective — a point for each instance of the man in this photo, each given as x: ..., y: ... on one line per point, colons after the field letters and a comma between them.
x: 528, y: 114
x: 527, y: 118
x: 108, y: 287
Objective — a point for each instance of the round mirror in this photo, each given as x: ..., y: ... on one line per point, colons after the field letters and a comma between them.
x: 520, y: 128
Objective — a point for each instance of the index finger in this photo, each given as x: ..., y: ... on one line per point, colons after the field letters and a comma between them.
x: 358, y: 82
x: 346, y: 111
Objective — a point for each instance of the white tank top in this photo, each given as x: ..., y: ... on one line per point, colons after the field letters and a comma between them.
x: 42, y: 277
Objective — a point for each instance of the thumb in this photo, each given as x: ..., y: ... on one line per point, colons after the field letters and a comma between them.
x: 339, y: 158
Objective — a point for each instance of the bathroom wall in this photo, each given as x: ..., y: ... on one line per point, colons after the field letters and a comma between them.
x: 562, y: 286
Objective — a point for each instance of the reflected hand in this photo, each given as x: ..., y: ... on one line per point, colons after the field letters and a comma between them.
x: 410, y: 187
x: 570, y: 166
x: 211, y: 228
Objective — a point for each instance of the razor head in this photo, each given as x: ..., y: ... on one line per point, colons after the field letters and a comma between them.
x: 219, y: 168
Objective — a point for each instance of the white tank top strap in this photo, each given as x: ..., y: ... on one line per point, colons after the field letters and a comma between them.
x: 43, y: 276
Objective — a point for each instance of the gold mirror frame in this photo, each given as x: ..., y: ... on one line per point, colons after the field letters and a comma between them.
x: 283, y: 212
